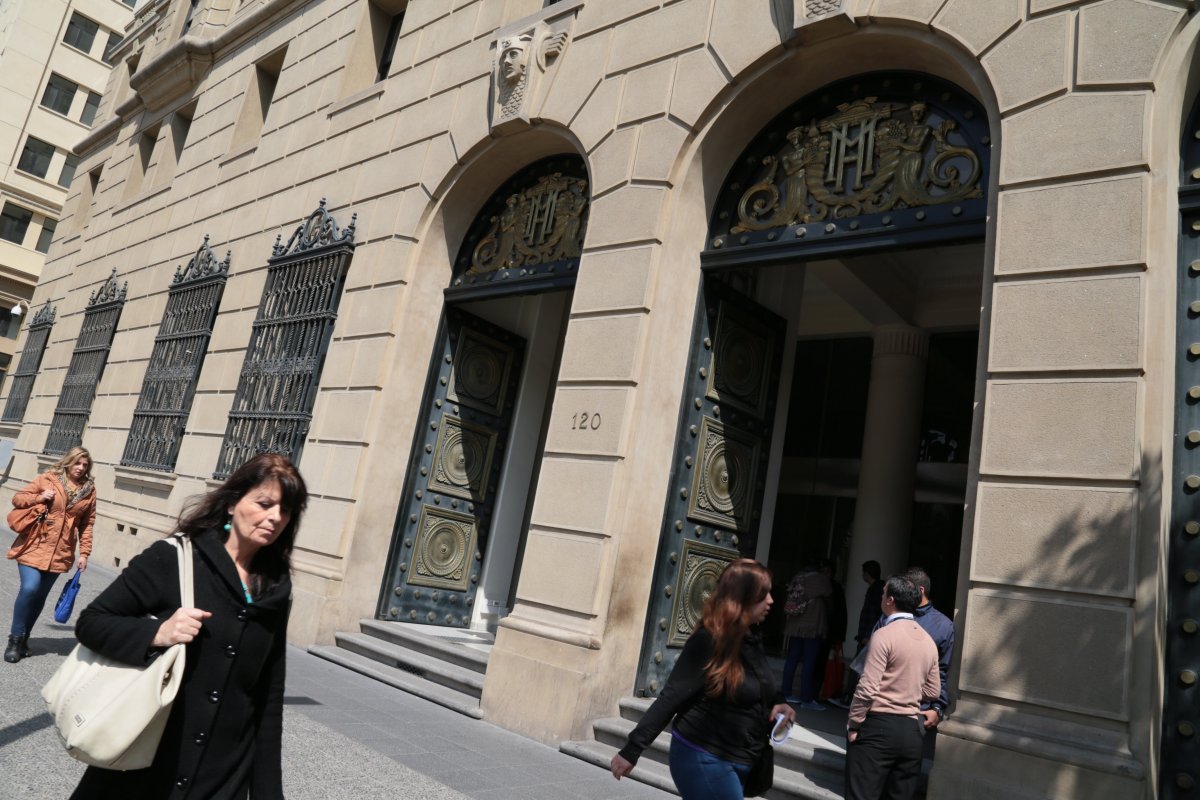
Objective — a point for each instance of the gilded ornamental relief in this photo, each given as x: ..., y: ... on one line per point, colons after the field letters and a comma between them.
x: 869, y: 157
x: 539, y: 225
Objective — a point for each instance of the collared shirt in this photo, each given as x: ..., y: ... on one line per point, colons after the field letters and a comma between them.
x: 898, y: 615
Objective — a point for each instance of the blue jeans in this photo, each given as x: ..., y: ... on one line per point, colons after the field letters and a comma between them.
x: 807, y: 650
x: 31, y: 598
x: 699, y: 775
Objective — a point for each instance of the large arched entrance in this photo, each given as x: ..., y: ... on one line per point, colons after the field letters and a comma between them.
x: 842, y: 279
x: 459, y: 530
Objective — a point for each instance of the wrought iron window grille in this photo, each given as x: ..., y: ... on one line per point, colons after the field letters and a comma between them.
x: 277, y: 388
x: 36, y: 336
x: 87, y: 366
x: 165, y: 401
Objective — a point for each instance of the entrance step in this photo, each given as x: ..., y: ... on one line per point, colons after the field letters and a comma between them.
x: 443, y: 665
x: 810, y: 765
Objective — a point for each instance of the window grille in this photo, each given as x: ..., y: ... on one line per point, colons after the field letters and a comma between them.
x: 87, y: 366
x: 179, y: 349
x: 36, y: 336
x: 277, y: 388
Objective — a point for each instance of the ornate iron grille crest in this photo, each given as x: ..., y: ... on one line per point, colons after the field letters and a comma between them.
x: 541, y: 224
x: 277, y: 389
x: 881, y: 154
x: 87, y: 365
x: 319, y: 230
x: 179, y: 349
x: 869, y: 157
x: 529, y: 234
x: 21, y: 387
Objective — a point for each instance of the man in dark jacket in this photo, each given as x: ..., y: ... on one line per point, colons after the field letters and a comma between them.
x: 941, y: 630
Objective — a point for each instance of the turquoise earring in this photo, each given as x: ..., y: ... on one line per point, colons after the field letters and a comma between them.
x: 227, y: 527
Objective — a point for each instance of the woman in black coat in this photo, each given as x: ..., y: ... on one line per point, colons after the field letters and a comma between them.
x: 222, y: 739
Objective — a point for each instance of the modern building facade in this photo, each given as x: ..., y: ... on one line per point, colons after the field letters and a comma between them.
x: 561, y: 306
x: 53, y: 73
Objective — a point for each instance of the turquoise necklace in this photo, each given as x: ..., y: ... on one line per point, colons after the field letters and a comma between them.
x: 246, y: 591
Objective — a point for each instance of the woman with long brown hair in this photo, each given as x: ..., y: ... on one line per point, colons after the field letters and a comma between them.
x: 66, y: 497
x: 223, y: 737
x: 720, y: 694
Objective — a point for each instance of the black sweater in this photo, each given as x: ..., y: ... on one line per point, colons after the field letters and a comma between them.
x: 733, y: 729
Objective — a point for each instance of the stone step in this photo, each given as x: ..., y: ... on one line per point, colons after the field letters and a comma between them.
x: 796, y: 761
x: 807, y: 750
x: 467, y: 649
x: 431, y: 668
x: 402, y: 679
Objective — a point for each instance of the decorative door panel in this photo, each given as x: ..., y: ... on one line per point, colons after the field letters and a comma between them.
x: 442, y: 527
x: 712, y: 511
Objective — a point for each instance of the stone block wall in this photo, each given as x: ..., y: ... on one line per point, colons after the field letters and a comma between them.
x: 1060, y: 557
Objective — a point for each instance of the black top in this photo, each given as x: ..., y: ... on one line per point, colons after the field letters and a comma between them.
x: 733, y: 729
x: 222, y: 739
x: 870, y: 612
x: 837, y: 614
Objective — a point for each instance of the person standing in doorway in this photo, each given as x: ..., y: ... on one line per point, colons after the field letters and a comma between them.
x: 885, y: 729
x: 806, y: 625
x: 867, y: 617
x: 836, y: 634
x: 941, y: 630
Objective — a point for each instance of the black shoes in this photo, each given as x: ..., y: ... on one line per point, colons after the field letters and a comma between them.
x: 18, y: 648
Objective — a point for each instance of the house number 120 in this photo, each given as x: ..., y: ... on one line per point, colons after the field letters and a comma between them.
x: 585, y: 421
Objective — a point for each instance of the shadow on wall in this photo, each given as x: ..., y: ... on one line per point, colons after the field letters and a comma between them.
x: 1050, y: 621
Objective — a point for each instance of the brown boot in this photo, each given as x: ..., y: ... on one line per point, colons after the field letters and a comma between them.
x: 12, y: 653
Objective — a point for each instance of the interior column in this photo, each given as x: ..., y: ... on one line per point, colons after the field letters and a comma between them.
x: 891, y: 439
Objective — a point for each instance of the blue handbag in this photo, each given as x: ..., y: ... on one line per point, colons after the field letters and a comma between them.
x: 66, y: 602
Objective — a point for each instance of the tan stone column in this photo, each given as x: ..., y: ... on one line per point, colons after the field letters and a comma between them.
x: 891, y: 437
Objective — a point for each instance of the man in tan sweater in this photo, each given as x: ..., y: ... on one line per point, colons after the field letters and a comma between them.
x: 884, y: 727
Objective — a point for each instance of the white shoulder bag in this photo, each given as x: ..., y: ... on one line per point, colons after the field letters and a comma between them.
x: 110, y: 714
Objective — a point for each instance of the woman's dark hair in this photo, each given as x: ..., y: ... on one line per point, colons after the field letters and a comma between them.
x: 211, y: 512
x: 726, y: 616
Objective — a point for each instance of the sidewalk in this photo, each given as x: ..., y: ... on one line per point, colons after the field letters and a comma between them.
x: 344, y: 735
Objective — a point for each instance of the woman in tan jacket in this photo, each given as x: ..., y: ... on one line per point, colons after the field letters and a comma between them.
x: 68, y: 495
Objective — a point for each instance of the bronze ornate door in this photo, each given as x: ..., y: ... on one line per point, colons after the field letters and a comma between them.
x: 442, y: 527
x: 717, y: 478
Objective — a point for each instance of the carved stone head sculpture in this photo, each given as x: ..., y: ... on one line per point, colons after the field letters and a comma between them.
x: 514, y: 59
x: 523, y: 55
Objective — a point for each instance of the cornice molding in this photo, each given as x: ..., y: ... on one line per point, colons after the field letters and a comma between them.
x: 180, y: 68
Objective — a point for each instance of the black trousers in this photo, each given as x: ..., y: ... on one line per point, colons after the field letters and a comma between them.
x: 884, y: 761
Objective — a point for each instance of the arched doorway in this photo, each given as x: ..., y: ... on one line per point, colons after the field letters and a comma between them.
x: 459, y: 530
x: 870, y: 193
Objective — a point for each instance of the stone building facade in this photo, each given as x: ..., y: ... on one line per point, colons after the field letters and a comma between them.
x: 562, y: 305
x: 53, y: 73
